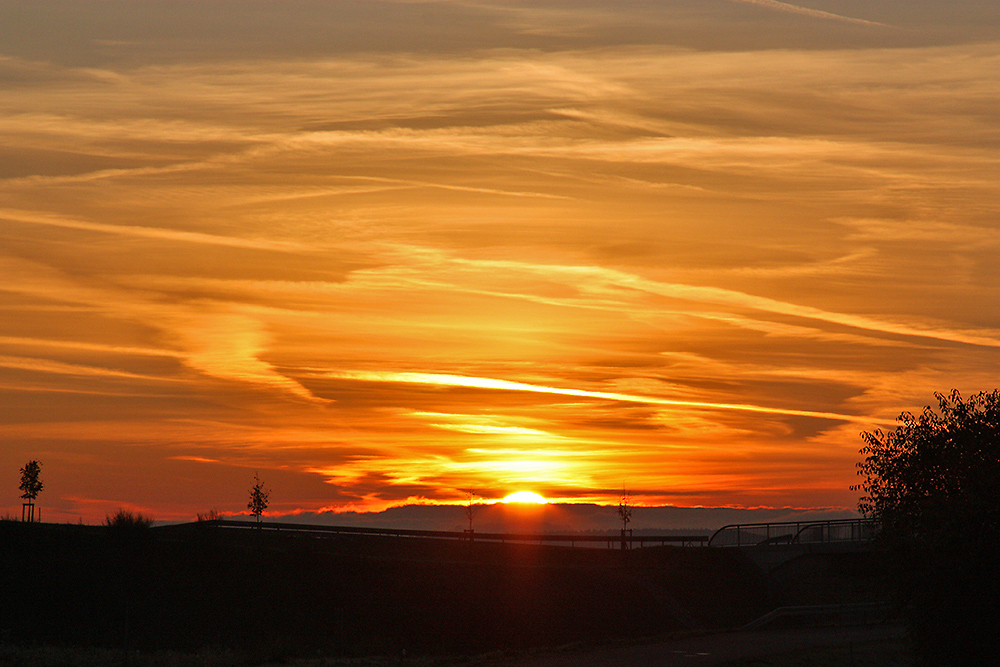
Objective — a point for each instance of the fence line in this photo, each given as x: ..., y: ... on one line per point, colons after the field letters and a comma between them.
x: 611, y: 541
x: 794, y: 532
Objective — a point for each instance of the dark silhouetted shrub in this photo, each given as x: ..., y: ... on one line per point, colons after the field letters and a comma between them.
x: 126, y: 520
x: 934, y: 486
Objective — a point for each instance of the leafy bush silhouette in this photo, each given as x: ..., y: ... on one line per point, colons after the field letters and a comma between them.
x: 127, y: 520
x: 934, y: 486
x: 128, y: 527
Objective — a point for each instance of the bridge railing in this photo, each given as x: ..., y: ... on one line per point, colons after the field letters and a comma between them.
x: 794, y: 532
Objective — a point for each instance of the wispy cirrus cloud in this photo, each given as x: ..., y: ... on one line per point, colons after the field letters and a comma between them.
x: 447, y: 380
x: 154, y: 233
x: 805, y: 11
x: 80, y: 370
x: 600, y: 280
x: 213, y: 340
x: 382, y: 259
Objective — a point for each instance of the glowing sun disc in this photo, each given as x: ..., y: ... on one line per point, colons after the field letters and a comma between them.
x: 524, y: 497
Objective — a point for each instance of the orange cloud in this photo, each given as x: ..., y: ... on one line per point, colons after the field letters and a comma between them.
x: 539, y: 243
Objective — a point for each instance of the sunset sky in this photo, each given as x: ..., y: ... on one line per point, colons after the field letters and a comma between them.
x: 386, y: 251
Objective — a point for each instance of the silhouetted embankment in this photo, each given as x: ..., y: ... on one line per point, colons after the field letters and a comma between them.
x: 197, y: 587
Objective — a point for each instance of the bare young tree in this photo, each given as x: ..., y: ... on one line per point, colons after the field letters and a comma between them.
x: 625, y: 514
x: 31, y: 486
x: 471, y: 509
x: 258, y: 498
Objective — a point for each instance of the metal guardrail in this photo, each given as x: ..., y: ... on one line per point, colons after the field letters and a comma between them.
x: 794, y: 532
x: 610, y: 541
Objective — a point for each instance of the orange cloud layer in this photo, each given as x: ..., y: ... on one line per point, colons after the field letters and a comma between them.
x: 693, y: 248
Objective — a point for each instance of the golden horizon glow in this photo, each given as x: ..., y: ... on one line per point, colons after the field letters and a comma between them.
x: 526, y: 245
x: 526, y: 497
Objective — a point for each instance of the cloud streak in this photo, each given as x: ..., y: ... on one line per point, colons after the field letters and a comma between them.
x: 446, y: 380
x: 804, y: 11
x: 604, y: 279
x: 153, y: 233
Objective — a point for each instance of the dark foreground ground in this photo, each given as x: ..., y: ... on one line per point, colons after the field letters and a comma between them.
x: 871, y: 646
x: 837, y: 646
x: 78, y: 595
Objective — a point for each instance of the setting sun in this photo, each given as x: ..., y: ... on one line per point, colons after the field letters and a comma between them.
x: 525, y: 497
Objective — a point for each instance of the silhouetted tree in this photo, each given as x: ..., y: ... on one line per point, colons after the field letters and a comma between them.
x: 933, y: 484
x: 625, y: 514
x: 259, y: 497
x: 31, y: 485
x: 471, y: 509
